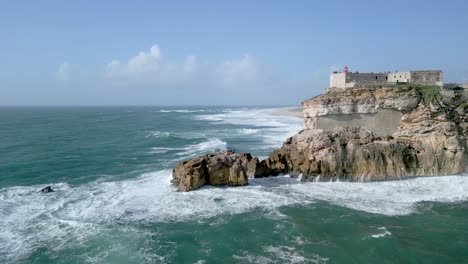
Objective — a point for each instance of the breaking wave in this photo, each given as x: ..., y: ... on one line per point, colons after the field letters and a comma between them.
x: 75, y: 214
x: 383, y: 232
x: 160, y: 150
x: 157, y: 134
x: 248, y: 131
x: 272, y: 129
x: 211, y: 145
x: 28, y: 218
x: 181, y: 111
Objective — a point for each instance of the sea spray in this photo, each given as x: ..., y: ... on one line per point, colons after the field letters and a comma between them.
x: 114, y: 202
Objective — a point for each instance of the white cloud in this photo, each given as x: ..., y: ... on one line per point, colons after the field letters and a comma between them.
x: 141, y: 64
x: 149, y: 67
x: 242, y: 70
x: 190, y: 64
x: 63, y: 72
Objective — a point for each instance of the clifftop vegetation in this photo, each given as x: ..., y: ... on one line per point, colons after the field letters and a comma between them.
x: 429, y: 93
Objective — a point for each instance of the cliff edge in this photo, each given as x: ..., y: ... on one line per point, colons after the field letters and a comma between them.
x: 368, y: 134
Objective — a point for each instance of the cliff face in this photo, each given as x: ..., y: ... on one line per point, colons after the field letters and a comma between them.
x: 358, y: 101
x: 427, y: 135
x: 430, y: 138
x: 362, y: 99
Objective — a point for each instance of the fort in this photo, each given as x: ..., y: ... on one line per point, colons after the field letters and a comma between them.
x: 374, y: 101
x: 348, y: 79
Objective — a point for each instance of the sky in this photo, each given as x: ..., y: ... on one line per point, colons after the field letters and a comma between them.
x: 265, y: 52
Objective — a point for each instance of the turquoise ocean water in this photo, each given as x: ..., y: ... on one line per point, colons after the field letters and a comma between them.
x: 111, y: 169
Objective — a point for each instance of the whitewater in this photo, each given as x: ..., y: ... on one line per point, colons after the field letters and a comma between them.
x: 126, y: 195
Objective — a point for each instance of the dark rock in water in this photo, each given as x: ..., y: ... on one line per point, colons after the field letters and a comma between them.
x: 47, y: 189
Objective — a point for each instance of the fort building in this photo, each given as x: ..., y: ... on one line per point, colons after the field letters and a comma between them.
x: 348, y: 79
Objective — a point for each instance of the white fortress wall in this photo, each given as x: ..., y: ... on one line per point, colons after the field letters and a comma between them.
x: 348, y: 80
x: 337, y: 80
x: 351, y: 79
x: 399, y: 77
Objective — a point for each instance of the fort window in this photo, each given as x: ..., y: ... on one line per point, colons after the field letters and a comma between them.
x: 376, y: 77
x: 386, y: 78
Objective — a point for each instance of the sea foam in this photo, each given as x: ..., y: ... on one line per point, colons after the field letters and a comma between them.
x: 181, y: 111
x: 157, y: 133
x: 29, y: 218
x: 272, y: 129
x: 213, y: 144
x: 383, y: 232
x: 210, y: 145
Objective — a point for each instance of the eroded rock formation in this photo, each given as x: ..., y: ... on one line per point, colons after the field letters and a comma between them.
x: 359, y: 100
x: 221, y: 168
x: 430, y: 139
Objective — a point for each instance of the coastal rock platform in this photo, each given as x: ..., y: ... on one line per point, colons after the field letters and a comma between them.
x: 428, y: 139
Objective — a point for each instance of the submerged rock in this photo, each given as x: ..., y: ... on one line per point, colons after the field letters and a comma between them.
x: 47, y: 189
x: 220, y: 168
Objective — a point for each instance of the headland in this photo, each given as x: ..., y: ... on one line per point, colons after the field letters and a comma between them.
x: 361, y: 129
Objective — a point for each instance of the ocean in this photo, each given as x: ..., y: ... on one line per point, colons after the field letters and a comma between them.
x: 111, y: 168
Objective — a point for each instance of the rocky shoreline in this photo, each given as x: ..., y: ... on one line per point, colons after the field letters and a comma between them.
x: 430, y: 138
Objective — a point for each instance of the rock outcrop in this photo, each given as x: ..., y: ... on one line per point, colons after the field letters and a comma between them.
x: 47, y: 189
x: 221, y: 168
x: 429, y: 139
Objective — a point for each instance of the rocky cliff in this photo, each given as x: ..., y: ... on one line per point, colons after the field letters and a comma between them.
x: 221, y: 168
x: 362, y: 100
x: 429, y: 138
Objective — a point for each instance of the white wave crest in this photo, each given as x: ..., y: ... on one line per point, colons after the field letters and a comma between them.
x: 273, y: 129
x: 275, y: 254
x: 181, y: 111
x: 160, y: 150
x: 213, y: 118
x: 29, y: 218
x: 157, y: 133
x: 383, y: 232
x: 247, y: 131
x: 210, y: 145
x: 213, y: 144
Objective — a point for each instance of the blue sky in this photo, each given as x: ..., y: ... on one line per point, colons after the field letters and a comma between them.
x: 216, y: 52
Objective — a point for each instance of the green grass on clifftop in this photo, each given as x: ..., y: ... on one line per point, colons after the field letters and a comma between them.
x: 429, y: 93
x: 463, y: 106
